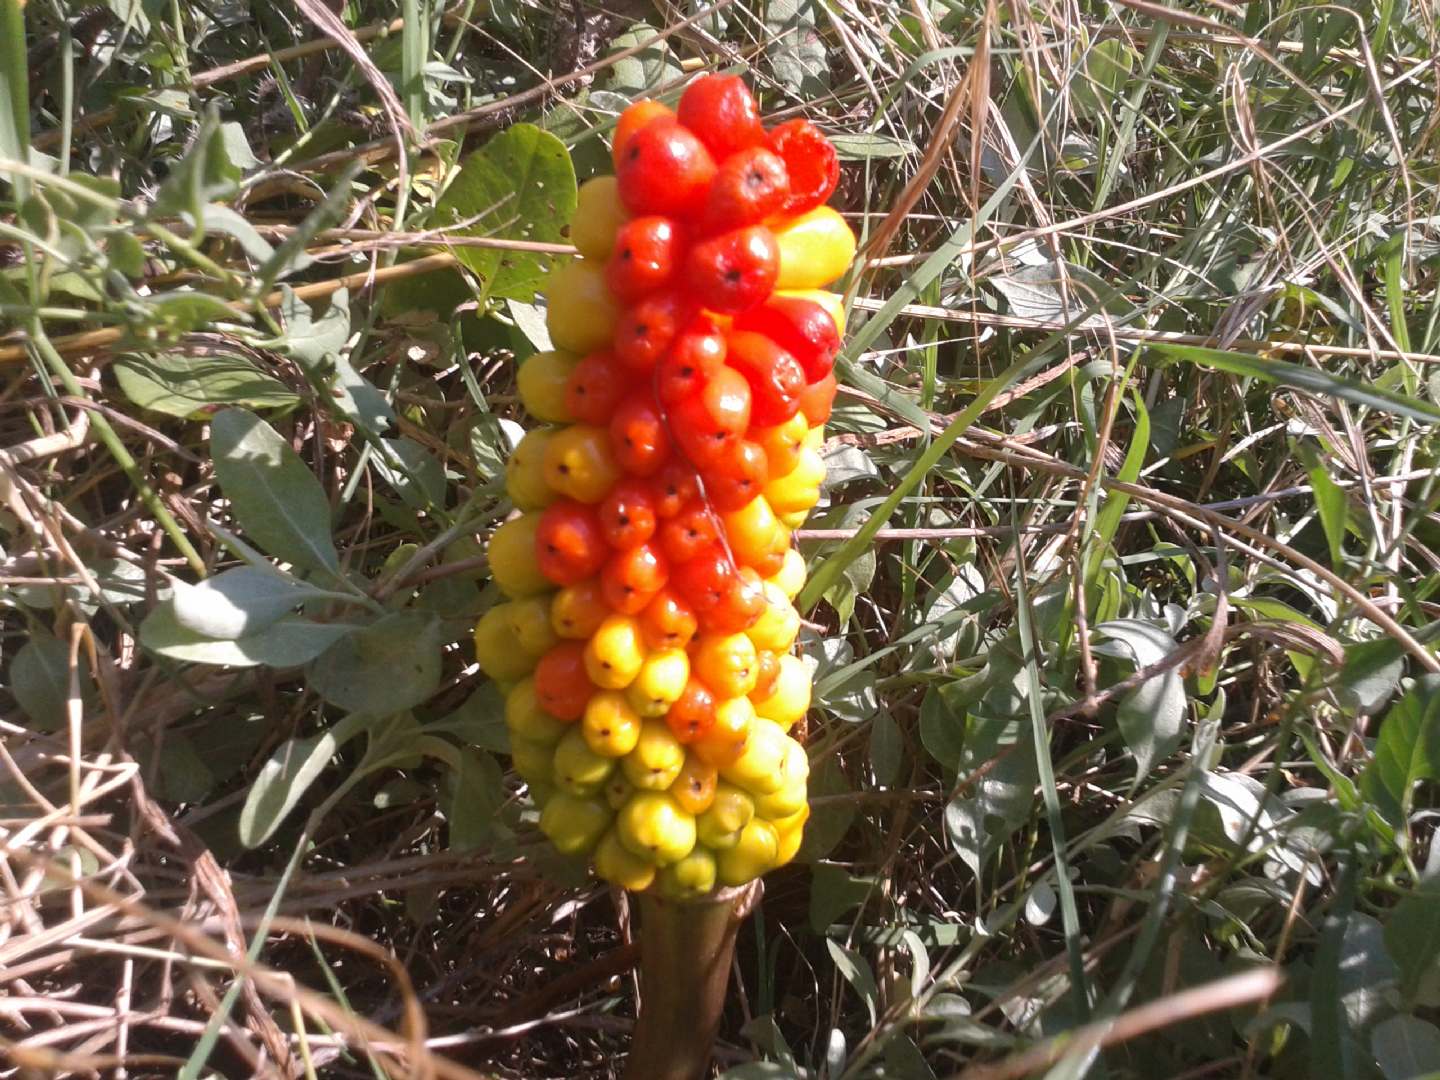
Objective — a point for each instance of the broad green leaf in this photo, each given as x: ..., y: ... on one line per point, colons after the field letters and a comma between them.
x: 795, y: 49
x: 1406, y: 1048
x: 650, y: 68
x: 236, y: 603
x: 1370, y: 675
x: 1104, y: 73
x: 205, y: 174
x: 317, y: 345
x: 272, y: 493
x: 1407, y: 750
x: 40, y: 681
x: 185, y: 310
x: 413, y: 471
x: 192, y: 387
x: 833, y: 892
x: 518, y: 186
x: 289, y: 642
x: 285, y: 778
x: 864, y: 145
x: 1298, y: 377
x: 1152, y: 716
x: 1412, y: 934
x: 858, y: 974
x: 387, y: 667
x: 476, y: 792
x: 887, y: 748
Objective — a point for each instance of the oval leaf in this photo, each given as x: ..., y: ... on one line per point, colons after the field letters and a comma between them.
x: 387, y: 667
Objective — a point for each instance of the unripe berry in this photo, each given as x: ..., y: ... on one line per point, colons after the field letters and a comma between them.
x: 542, y: 380
x: 615, y: 653
x: 511, y: 553
x: 573, y: 824
x: 653, y: 826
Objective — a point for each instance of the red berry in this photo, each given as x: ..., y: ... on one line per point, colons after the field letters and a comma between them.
x: 801, y: 327
x: 722, y: 112
x: 817, y: 399
x: 775, y: 377
x: 634, y: 118
x: 704, y: 580
x: 694, y: 356
x: 667, y: 621
x: 734, y: 271
x: 749, y: 187
x: 689, y: 532
x: 741, y: 606
x: 675, y: 486
x: 561, y: 684
x: 646, y: 253
x: 708, y: 424
x: 630, y: 580
x: 645, y: 331
x: 692, y: 714
x: 810, y: 160
x: 595, y: 388
x: 664, y: 169
x: 627, y: 514
x: 637, y: 435
x: 734, y: 481
x: 570, y: 542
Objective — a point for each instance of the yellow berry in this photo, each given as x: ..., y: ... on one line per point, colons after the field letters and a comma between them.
x: 574, y: 825
x: 719, y: 825
x: 691, y: 877
x: 578, y: 463
x: 541, y: 381
x: 758, y: 768
x: 783, y: 444
x: 779, y: 623
x: 815, y: 248
x: 610, y: 726
x: 653, y: 826
x: 577, y: 611
x: 753, y: 854
x: 791, y: 575
x: 789, y: 698
x: 530, y: 625
x: 791, y: 831
x: 799, y: 489
x: 660, y: 682
x: 657, y: 758
x: 525, y: 472
x: 727, y: 663
x: 618, y: 790
x: 754, y: 531
x: 615, y: 652
x: 580, y: 313
x: 495, y: 649
x: 526, y: 719
x: 511, y: 552
x: 619, y: 866
x: 578, y: 769
x: 598, y: 217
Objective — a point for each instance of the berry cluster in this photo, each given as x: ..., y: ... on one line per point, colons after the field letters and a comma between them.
x: 646, y: 644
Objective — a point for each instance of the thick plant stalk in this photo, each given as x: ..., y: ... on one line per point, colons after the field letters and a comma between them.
x: 685, y: 951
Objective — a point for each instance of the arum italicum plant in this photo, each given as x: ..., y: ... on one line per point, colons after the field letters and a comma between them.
x: 647, y: 645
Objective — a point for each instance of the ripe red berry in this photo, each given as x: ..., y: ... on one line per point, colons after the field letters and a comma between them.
x: 775, y: 377
x: 740, y: 608
x: 635, y: 117
x: 645, y: 256
x: 664, y: 169
x: 692, y: 714
x: 704, y: 580
x: 675, y: 486
x: 736, y: 479
x: 627, y: 514
x: 706, y: 425
x: 734, y: 271
x: 667, y: 621
x: 689, y: 532
x: 817, y: 399
x: 646, y: 330
x: 693, y: 357
x: 749, y: 187
x: 638, y: 440
x: 810, y: 161
x: 801, y: 327
x: 595, y: 388
x: 561, y: 684
x: 569, y: 542
x: 722, y: 112
x: 630, y: 580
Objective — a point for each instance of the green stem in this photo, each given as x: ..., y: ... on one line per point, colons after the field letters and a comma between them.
x: 685, y: 952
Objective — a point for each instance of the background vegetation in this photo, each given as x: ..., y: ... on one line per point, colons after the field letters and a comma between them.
x: 1124, y: 589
